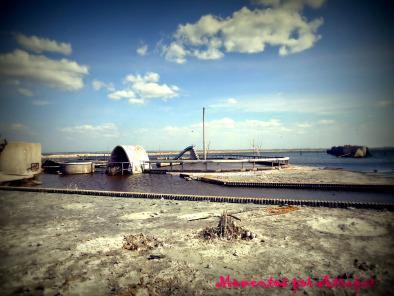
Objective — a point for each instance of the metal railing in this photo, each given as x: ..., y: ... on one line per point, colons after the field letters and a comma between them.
x: 277, y: 161
x: 124, y: 165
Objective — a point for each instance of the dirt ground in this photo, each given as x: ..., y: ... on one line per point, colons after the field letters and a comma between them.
x: 54, y: 244
x: 300, y: 174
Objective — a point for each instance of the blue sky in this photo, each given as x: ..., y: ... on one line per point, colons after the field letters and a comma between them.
x: 86, y: 76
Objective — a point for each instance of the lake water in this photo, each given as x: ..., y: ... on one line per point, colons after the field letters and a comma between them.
x: 381, y: 162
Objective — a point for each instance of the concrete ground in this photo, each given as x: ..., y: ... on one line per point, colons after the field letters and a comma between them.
x: 301, y: 174
x: 54, y: 244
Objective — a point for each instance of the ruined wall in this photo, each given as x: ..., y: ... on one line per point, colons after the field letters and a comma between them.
x: 21, y: 158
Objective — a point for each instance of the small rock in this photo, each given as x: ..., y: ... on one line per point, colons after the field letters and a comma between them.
x: 235, y: 254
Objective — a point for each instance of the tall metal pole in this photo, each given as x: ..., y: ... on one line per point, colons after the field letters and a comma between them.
x: 203, y: 133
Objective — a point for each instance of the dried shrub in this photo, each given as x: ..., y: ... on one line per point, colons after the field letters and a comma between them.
x: 140, y: 242
x: 226, y: 229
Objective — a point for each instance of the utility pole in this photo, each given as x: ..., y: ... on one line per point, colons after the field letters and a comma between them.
x: 203, y: 133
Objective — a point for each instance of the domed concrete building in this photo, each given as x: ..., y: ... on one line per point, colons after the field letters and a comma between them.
x: 127, y: 159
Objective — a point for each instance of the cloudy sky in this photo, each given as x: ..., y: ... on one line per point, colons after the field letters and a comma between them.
x: 86, y: 75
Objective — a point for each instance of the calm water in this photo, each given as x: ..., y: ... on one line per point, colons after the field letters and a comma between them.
x: 382, y: 161
x: 174, y: 184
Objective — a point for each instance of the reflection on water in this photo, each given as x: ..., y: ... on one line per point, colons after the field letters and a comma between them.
x: 174, y: 184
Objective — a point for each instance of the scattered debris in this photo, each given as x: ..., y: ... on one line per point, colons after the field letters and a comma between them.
x: 227, y: 229
x: 154, y: 256
x: 207, y: 217
x: 365, y: 266
x: 281, y: 210
x: 140, y: 242
x: 346, y: 275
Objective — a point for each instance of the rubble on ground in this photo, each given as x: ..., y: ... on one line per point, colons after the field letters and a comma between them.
x: 140, y: 242
x: 227, y: 229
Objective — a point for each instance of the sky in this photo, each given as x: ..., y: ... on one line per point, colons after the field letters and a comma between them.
x: 89, y: 75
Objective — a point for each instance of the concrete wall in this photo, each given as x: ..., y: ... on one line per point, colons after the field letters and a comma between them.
x: 70, y: 168
x: 21, y: 158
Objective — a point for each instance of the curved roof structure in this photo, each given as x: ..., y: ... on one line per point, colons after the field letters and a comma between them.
x: 135, y: 155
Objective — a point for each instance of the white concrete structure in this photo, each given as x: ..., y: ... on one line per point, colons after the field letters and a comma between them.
x: 129, y: 158
x: 21, y: 158
x: 71, y: 168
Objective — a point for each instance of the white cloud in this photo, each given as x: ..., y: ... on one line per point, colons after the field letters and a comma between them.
x: 141, y: 88
x: 326, y: 121
x: 221, y: 123
x: 272, y: 123
x: 109, y: 130
x: 384, y: 103
x: 25, y: 92
x: 136, y: 101
x: 175, y: 53
x: 98, y: 85
x: 142, y: 50
x: 121, y: 94
x: 222, y: 133
x: 303, y: 125
x: 246, y: 31
x: 231, y: 101
x: 39, y: 45
x: 303, y: 103
x: 64, y: 74
x: 16, y: 131
x: 40, y: 102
